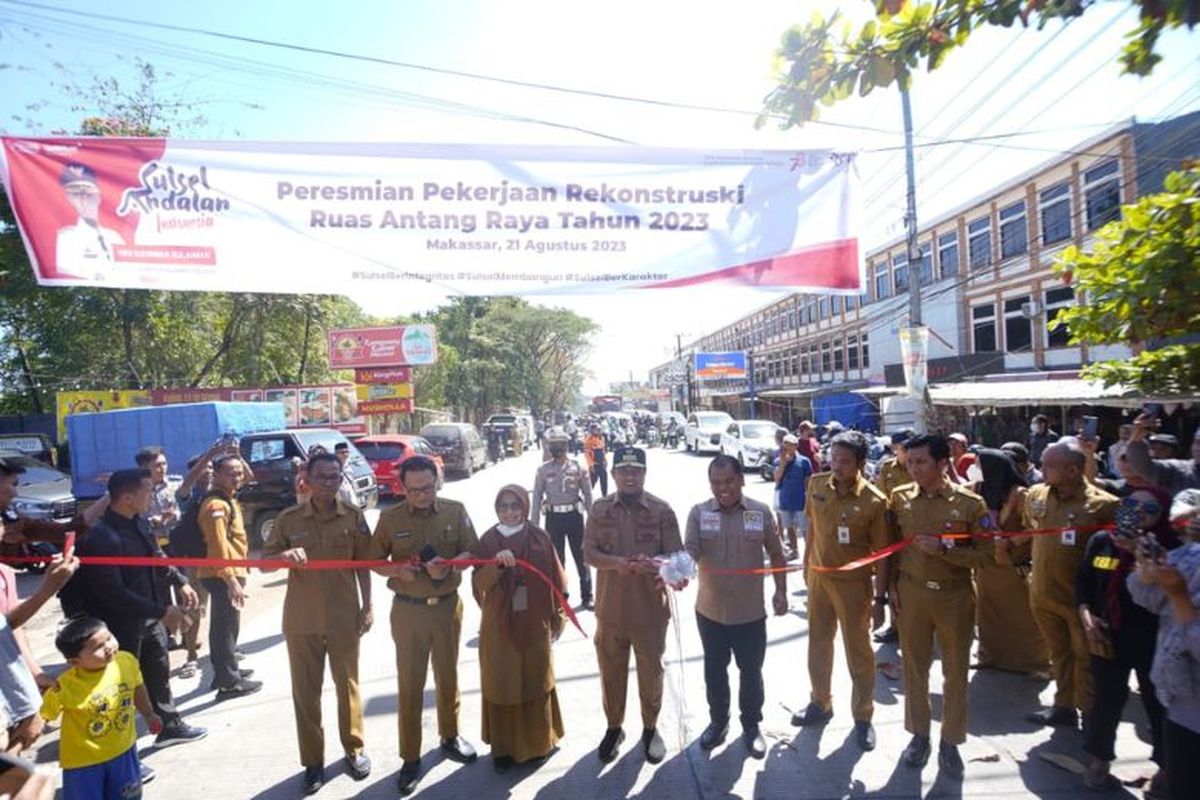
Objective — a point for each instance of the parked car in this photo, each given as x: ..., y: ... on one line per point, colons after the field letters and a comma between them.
x: 34, y: 445
x: 459, y: 444
x: 751, y: 442
x: 273, y: 489
x: 43, y: 492
x: 507, y: 425
x: 703, y: 430
x: 385, y: 453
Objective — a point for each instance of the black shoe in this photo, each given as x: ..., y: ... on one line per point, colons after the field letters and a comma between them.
x: 917, y: 752
x: 653, y: 745
x: 458, y: 749
x: 949, y: 761
x: 410, y: 776
x: 179, y: 733
x: 242, y: 675
x: 238, y: 654
x: 314, y: 779
x: 502, y: 764
x: 589, y: 604
x: 1055, y: 716
x: 240, y: 689
x: 887, y: 635
x: 755, y: 742
x: 713, y: 735
x: 359, y: 766
x: 864, y: 734
x: 174, y: 644
x: 609, y: 744
x: 146, y: 773
x: 812, y: 715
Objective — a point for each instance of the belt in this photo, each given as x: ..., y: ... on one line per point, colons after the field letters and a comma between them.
x: 567, y: 509
x: 939, y: 586
x: 425, y: 601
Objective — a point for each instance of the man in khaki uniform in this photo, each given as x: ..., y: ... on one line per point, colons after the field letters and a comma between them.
x: 562, y: 485
x: 847, y: 520
x: 419, y: 536
x: 322, y: 617
x: 1067, y: 501
x: 625, y: 533
x: 731, y: 531
x: 934, y: 595
x: 892, y: 474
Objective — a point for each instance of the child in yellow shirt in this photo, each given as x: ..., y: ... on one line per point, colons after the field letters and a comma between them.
x: 96, y: 698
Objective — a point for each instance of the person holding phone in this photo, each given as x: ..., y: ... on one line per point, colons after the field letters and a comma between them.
x: 419, y: 536
x: 1173, y: 474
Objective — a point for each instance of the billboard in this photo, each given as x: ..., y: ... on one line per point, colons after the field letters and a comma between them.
x: 384, y: 375
x: 721, y: 366
x: 394, y: 346
x: 479, y: 219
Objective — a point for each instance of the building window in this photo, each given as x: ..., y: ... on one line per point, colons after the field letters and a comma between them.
x: 852, y: 352
x: 1057, y: 300
x: 1018, y: 327
x: 812, y: 313
x: 925, y: 266
x: 948, y: 254
x: 1056, y: 213
x: 983, y: 325
x: 881, y: 280
x: 825, y: 362
x: 1102, y: 194
x: 866, y: 352
x: 835, y: 304
x: 1014, y: 236
x: 804, y: 362
x: 979, y: 242
x: 900, y: 272
x: 851, y: 302
x: 838, y: 356
x: 823, y: 308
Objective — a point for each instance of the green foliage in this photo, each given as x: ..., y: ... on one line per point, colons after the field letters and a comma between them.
x: 1138, y: 283
x: 826, y: 60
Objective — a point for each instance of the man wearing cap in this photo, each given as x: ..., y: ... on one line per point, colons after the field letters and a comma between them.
x: 961, y: 457
x: 808, y: 446
x: 731, y: 532
x: 625, y: 534
x: 1163, y: 446
x: 85, y: 249
x: 792, y: 472
x: 566, y: 491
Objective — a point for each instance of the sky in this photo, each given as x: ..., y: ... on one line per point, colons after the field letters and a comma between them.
x: 1056, y: 87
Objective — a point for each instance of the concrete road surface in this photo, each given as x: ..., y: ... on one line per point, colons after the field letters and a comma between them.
x: 251, y: 748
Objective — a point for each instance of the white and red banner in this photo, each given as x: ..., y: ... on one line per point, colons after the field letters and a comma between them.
x: 348, y: 218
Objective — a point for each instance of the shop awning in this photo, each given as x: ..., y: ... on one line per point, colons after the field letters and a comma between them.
x: 1054, y: 392
x: 809, y: 391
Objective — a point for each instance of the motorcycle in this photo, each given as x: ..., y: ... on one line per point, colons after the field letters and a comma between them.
x: 651, y: 437
x: 672, y: 437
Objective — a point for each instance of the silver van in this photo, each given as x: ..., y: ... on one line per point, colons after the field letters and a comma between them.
x: 459, y: 444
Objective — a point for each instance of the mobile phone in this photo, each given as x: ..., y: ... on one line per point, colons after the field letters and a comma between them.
x: 427, y: 554
x: 1153, y: 409
x: 1154, y: 551
x: 1091, y: 427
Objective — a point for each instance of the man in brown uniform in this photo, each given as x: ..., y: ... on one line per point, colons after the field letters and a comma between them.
x: 934, y: 595
x: 625, y: 533
x: 892, y: 474
x: 847, y: 520
x: 1067, y: 501
x: 731, y: 531
x: 322, y: 616
x: 419, y: 536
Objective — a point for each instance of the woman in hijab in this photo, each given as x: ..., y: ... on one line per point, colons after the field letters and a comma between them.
x: 521, y: 618
x: 1121, y: 634
x: 1008, y: 637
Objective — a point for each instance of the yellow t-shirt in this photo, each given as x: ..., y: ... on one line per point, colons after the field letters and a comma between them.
x: 99, y: 718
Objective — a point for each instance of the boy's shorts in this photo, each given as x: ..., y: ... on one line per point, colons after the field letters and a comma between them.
x: 119, y: 778
x: 794, y: 519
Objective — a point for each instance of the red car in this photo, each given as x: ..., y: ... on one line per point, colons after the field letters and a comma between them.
x: 387, y: 451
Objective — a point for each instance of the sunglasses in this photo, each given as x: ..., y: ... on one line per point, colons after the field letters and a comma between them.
x: 1148, y: 507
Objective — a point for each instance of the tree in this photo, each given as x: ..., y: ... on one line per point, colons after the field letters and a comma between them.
x: 826, y: 61
x: 1138, y: 288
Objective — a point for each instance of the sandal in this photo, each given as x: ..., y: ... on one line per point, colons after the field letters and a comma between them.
x: 188, y: 670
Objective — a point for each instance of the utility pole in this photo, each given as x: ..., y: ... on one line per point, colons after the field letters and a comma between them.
x: 918, y: 339
x: 753, y: 394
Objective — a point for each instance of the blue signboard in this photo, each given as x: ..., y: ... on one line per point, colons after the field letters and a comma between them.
x: 721, y: 366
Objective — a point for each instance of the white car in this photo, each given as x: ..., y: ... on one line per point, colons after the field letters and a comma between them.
x: 703, y: 431
x: 751, y: 442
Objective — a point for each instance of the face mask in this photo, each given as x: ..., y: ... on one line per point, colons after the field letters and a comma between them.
x: 509, y: 530
x: 558, y: 450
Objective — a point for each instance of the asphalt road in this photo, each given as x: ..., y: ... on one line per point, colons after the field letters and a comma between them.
x: 251, y: 748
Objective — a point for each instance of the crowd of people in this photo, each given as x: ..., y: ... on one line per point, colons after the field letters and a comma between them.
x: 1029, y: 547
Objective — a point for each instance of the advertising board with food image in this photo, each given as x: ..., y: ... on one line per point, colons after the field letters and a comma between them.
x: 345, y: 405
x: 314, y: 405
x: 288, y: 398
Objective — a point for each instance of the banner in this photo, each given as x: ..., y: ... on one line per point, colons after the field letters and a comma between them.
x: 392, y: 375
x: 395, y: 346
x: 337, y: 218
x: 914, y: 354
x: 721, y: 366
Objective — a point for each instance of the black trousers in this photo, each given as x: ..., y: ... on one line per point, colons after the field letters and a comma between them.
x: 599, y: 473
x: 224, y: 625
x: 568, y: 527
x: 147, y: 641
x: 1110, y: 690
x: 748, y: 644
x: 1181, y: 749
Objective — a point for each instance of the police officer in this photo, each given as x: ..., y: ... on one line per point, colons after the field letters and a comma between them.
x: 933, y: 594
x: 322, y: 617
x: 419, y: 536
x: 730, y: 531
x: 625, y: 533
x: 1068, y: 502
x: 563, y: 486
x: 847, y: 520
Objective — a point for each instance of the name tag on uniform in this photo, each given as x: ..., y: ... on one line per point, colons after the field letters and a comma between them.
x: 401, y: 534
x: 948, y: 542
x: 710, y: 521
x: 520, y: 600
x: 218, y: 513
x: 1068, y: 537
x: 843, y: 534
x: 1105, y: 562
x: 752, y: 520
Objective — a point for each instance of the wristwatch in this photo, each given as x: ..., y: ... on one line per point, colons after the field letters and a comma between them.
x: 881, y: 599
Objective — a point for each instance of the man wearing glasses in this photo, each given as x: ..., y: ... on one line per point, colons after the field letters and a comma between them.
x: 85, y: 249
x: 419, y: 536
